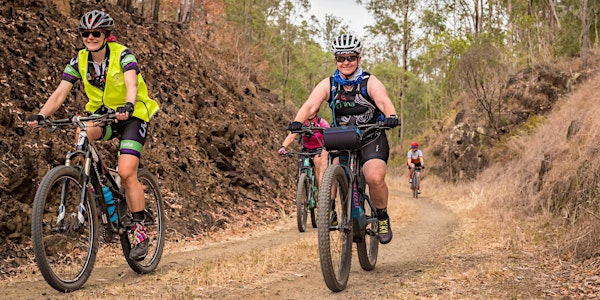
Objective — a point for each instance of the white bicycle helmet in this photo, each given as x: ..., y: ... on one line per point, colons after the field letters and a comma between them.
x: 346, y: 44
x: 96, y: 19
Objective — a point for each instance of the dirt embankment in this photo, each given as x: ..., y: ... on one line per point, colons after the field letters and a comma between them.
x: 212, y: 145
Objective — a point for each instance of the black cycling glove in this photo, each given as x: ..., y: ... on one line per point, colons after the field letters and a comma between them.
x: 38, y: 118
x: 295, y: 126
x: 391, y: 122
x: 127, y: 108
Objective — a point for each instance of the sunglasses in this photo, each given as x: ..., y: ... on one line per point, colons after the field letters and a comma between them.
x: 343, y: 59
x: 95, y: 34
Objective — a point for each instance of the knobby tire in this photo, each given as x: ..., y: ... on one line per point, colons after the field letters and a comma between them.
x: 302, y: 202
x: 64, y: 257
x: 335, y: 242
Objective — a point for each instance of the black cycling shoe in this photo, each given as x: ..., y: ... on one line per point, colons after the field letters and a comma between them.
x: 139, y: 251
x: 384, y: 230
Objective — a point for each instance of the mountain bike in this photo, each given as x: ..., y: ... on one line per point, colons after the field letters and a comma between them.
x: 69, y: 211
x: 307, y: 191
x: 346, y: 214
x: 414, y: 186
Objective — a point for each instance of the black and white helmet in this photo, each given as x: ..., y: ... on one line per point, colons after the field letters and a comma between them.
x: 96, y: 19
x: 346, y: 44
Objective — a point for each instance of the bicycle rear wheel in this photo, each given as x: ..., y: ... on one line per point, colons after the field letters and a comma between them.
x: 302, y: 202
x: 154, y: 222
x: 368, y: 249
x: 334, y: 228
x: 65, y: 251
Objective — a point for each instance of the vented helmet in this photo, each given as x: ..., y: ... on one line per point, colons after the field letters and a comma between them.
x: 96, y: 19
x: 414, y: 145
x: 346, y: 44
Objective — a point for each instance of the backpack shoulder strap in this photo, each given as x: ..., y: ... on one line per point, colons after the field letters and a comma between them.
x: 331, y: 100
x: 363, y: 86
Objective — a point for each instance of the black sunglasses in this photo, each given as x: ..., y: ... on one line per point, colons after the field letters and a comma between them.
x: 95, y: 34
x: 343, y: 59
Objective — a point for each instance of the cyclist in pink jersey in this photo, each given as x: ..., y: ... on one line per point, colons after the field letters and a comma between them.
x: 311, y: 144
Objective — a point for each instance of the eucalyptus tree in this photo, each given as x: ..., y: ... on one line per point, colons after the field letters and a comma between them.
x: 394, y: 23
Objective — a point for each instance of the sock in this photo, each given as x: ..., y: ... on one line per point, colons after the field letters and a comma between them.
x: 138, y: 216
x: 382, y: 213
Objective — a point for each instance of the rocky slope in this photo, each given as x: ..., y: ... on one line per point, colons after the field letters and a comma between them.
x: 212, y: 145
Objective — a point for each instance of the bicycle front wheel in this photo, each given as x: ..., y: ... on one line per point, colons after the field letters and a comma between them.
x: 154, y: 222
x: 65, y: 238
x: 302, y: 202
x: 334, y: 228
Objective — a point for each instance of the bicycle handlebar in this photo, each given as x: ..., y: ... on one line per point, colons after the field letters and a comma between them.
x: 78, y: 121
x: 311, y: 154
x: 372, y: 127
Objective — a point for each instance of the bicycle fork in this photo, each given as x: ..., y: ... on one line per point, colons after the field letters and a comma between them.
x: 60, y: 220
x: 85, y: 179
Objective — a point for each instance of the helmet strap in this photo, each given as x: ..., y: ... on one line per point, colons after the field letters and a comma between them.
x: 99, y: 49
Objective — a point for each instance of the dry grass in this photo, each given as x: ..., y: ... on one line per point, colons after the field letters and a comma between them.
x: 518, y: 221
x: 481, y: 260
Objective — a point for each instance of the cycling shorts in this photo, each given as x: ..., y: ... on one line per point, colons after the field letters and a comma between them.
x: 377, y: 148
x: 132, y: 133
x: 417, y: 165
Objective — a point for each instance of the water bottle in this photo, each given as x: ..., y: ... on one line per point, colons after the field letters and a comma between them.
x: 110, y: 202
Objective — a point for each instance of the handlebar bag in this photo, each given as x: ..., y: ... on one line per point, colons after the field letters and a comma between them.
x: 342, y: 138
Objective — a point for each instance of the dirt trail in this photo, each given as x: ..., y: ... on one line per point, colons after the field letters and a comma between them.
x: 409, y: 252
x: 405, y: 257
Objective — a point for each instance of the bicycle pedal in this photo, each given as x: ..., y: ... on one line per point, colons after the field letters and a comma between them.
x: 111, y: 238
x: 371, y: 232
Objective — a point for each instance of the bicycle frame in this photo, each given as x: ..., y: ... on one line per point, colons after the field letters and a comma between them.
x: 357, y: 192
x: 349, y: 161
x: 307, y: 166
x: 76, y: 189
x: 92, y: 170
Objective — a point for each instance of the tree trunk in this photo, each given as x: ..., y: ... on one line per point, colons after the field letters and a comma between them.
x: 155, y: 10
x: 586, y: 35
x: 185, y: 11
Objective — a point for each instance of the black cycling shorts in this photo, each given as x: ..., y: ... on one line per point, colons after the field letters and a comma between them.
x: 132, y: 133
x: 377, y: 148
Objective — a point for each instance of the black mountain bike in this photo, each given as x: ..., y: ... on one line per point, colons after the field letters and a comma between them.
x: 346, y: 213
x: 69, y: 211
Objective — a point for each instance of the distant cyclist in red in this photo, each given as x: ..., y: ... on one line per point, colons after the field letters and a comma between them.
x: 415, y: 159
